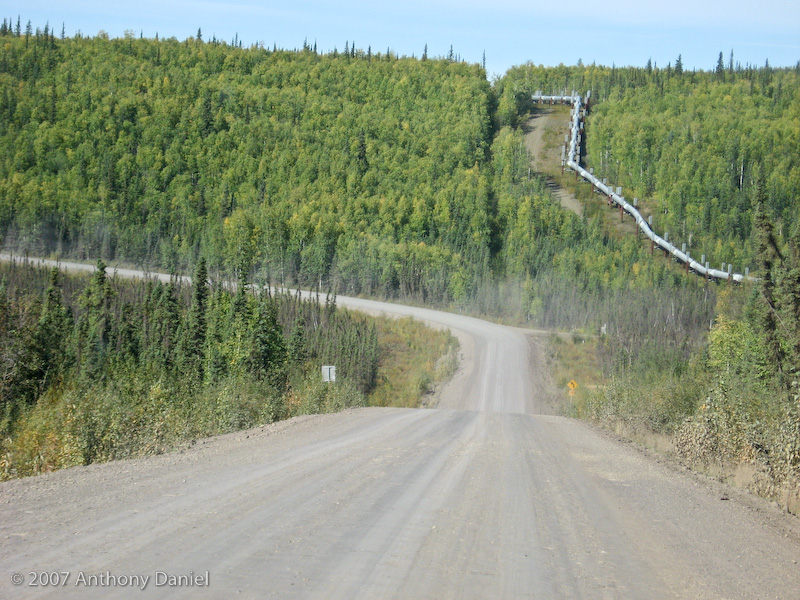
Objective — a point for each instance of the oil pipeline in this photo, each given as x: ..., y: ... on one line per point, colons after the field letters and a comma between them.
x: 571, y: 159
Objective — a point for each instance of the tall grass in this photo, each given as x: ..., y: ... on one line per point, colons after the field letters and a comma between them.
x: 414, y: 361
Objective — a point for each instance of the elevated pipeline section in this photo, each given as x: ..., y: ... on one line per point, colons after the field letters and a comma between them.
x: 571, y: 159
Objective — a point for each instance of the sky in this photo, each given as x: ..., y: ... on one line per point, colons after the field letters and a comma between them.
x: 506, y: 32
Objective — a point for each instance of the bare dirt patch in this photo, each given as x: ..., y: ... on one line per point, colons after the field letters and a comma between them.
x: 544, y: 135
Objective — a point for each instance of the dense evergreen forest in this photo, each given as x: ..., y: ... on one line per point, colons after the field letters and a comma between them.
x: 363, y: 172
x: 94, y: 368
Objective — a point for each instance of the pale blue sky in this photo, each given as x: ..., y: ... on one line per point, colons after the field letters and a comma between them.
x: 510, y: 32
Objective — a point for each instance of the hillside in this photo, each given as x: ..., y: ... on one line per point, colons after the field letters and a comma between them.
x: 359, y: 172
x: 289, y: 165
x: 695, y: 147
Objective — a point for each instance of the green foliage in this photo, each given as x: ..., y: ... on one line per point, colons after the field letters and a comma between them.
x: 658, y: 404
x: 735, y: 348
x: 390, y: 177
x: 289, y: 165
x: 695, y: 160
x: 733, y: 425
x: 313, y: 396
x: 143, y: 366
x: 413, y: 361
x: 691, y: 146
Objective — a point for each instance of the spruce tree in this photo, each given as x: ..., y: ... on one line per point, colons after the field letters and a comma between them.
x: 790, y: 288
x: 768, y: 253
x: 268, y: 351
x: 94, y: 327
x: 52, y: 332
x: 192, y: 345
x: 163, y: 328
x: 297, y: 343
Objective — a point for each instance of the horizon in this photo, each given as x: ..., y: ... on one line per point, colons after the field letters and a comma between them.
x: 615, y: 33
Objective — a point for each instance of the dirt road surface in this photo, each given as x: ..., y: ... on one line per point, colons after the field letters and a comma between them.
x: 481, y: 497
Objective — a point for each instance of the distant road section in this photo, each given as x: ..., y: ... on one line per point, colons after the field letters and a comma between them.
x: 479, y: 498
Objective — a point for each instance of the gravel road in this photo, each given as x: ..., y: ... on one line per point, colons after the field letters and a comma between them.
x: 482, y: 497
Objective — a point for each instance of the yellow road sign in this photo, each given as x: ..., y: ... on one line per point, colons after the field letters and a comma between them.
x: 573, y: 385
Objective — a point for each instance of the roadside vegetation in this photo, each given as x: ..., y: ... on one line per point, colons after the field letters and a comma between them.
x: 94, y: 368
x: 413, y: 363
x: 99, y: 368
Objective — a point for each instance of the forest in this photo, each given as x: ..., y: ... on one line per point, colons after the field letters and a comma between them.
x: 692, y: 146
x: 98, y: 367
x: 361, y: 172
x: 357, y: 172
